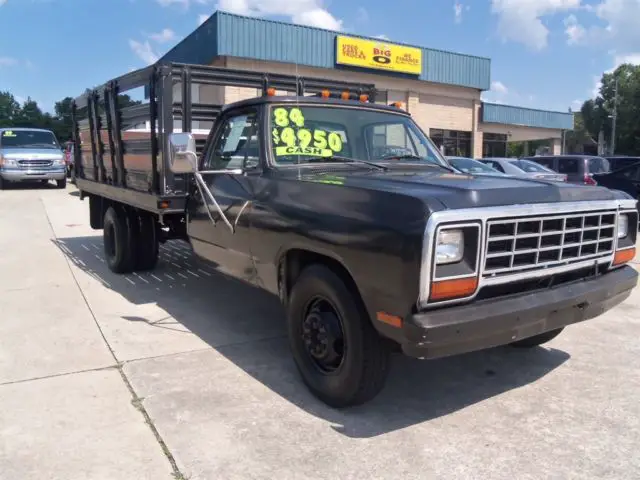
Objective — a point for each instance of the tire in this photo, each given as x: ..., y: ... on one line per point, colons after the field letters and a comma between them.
x: 117, y: 240
x: 146, y: 244
x: 361, y: 373
x: 2, y: 183
x: 62, y: 183
x: 537, y: 339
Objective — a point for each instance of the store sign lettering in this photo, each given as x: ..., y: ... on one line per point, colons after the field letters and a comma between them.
x: 378, y: 55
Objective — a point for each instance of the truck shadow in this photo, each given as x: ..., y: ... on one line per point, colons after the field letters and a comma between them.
x: 246, y: 325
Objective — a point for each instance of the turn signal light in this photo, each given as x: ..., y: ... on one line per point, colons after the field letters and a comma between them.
x: 344, y: 95
x: 364, y: 98
x: 325, y: 94
x: 458, y: 288
x: 271, y: 92
x: 624, y: 256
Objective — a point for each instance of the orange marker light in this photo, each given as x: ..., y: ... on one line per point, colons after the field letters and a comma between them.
x: 164, y: 204
x: 392, y: 320
x: 624, y: 256
x: 271, y: 92
x: 344, y: 95
x: 458, y: 288
x: 325, y: 94
x: 364, y: 98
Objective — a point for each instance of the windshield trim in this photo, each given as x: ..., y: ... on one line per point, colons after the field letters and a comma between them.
x: 272, y: 163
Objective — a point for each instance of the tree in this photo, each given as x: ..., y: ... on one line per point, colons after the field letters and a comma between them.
x: 29, y: 115
x: 9, y: 109
x: 597, y: 113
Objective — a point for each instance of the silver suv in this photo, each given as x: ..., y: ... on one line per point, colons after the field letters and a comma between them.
x: 31, y: 154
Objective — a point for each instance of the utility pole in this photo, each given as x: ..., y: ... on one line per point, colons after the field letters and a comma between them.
x: 615, y: 118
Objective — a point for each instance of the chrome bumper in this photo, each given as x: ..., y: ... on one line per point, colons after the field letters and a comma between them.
x: 32, y: 174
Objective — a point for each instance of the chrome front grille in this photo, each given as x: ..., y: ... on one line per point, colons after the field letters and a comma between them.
x: 35, y: 163
x: 537, y: 242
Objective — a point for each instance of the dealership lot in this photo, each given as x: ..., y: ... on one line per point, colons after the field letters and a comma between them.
x: 183, y: 373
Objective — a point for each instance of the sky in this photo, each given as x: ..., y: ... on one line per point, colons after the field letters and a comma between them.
x: 547, y: 54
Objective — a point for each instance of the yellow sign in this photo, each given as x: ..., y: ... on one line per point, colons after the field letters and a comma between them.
x: 378, y: 54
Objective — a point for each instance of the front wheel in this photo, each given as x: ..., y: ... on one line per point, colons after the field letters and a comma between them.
x: 537, y: 339
x: 117, y: 240
x: 341, y: 357
x: 62, y: 183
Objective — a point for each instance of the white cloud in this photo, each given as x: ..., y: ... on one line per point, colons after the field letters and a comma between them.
x: 203, y: 17
x: 8, y: 62
x: 521, y: 20
x: 166, y: 3
x: 499, y: 87
x: 304, y: 12
x: 576, y: 105
x: 144, y: 51
x: 632, y: 58
x: 166, y: 35
x: 575, y: 32
x: 2, y: 2
x: 382, y: 37
x: 457, y: 12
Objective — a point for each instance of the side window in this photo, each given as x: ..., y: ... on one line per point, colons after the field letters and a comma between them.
x: 569, y: 165
x: 544, y: 161
x: 237, y: 145
x: 496, y: 165
x: 632, y: 173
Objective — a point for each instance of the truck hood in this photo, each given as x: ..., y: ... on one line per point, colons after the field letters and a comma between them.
x: 457, y: 190
x: 31, y: 153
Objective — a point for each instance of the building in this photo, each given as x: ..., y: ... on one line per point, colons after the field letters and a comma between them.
x: 440, y: 89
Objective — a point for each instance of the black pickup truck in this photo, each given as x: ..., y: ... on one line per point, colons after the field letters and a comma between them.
x: 346, y: 211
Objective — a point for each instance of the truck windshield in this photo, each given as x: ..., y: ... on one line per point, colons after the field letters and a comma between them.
x: 28, y: 139
x: 302, y: 133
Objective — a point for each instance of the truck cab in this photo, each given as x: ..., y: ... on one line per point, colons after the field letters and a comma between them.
x: 347, y: 212
x: 31, y: 154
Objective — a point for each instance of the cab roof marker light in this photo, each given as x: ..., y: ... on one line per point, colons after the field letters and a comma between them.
x: 345, y: 95
x: 271, y: 92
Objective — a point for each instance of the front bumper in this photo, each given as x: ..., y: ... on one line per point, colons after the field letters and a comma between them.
x: 29, y: 175
x: 489, y: 323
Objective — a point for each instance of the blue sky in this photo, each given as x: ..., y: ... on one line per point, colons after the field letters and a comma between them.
x: 545, y: 53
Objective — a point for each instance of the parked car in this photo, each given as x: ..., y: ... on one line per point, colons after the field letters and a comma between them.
x: 31, y: 154
x: 578, y: 168
x: 620, y: 161
x: 626, y: 179
x: 346, y: 211
x: 523, y: 168
x: 473, y: 166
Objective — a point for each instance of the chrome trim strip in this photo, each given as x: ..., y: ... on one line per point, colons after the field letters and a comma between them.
x: 475, y: 225
x: 483, y: 214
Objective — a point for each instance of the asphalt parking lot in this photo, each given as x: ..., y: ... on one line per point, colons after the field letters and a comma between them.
x: 183, y: 373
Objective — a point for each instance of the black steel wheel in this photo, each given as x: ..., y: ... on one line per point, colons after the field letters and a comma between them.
x: 117, y: 240
x: 323, y: 336
x: 341, y: 357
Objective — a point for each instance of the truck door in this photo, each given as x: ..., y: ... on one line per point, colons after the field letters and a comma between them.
x: 220, y: 233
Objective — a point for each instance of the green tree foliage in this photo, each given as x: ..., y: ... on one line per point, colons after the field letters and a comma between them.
x: 29, y: 114
x: 597, y: 113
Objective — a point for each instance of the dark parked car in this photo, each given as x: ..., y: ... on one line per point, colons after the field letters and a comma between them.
x: 626, y: 179
x: 621, y: 161
x: 578, y: 168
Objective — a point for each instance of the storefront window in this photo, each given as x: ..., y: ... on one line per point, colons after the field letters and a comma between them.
x: 494, y: 145
x: 455, y: 143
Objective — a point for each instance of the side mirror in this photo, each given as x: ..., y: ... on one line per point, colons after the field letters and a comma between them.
x: 182, y: 153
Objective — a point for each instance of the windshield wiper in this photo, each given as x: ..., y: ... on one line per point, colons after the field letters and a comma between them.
x: 339, y: 159
x: 409, y: 156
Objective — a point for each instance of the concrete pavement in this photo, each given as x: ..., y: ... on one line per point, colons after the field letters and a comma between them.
x: 181, y: 372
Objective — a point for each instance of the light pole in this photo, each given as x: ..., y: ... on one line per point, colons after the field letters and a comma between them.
x: 614, y: 119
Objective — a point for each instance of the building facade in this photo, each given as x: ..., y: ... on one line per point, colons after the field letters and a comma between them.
x: 442, y: 90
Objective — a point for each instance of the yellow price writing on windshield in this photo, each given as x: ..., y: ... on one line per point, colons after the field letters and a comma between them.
x: 305, y: 141
x: 8, y: 133
x: 283, y: 117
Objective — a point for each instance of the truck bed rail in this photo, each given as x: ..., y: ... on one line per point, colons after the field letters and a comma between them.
x: 124, y: 146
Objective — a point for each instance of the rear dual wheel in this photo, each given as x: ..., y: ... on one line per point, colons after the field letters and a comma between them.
x: 130, y: 240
